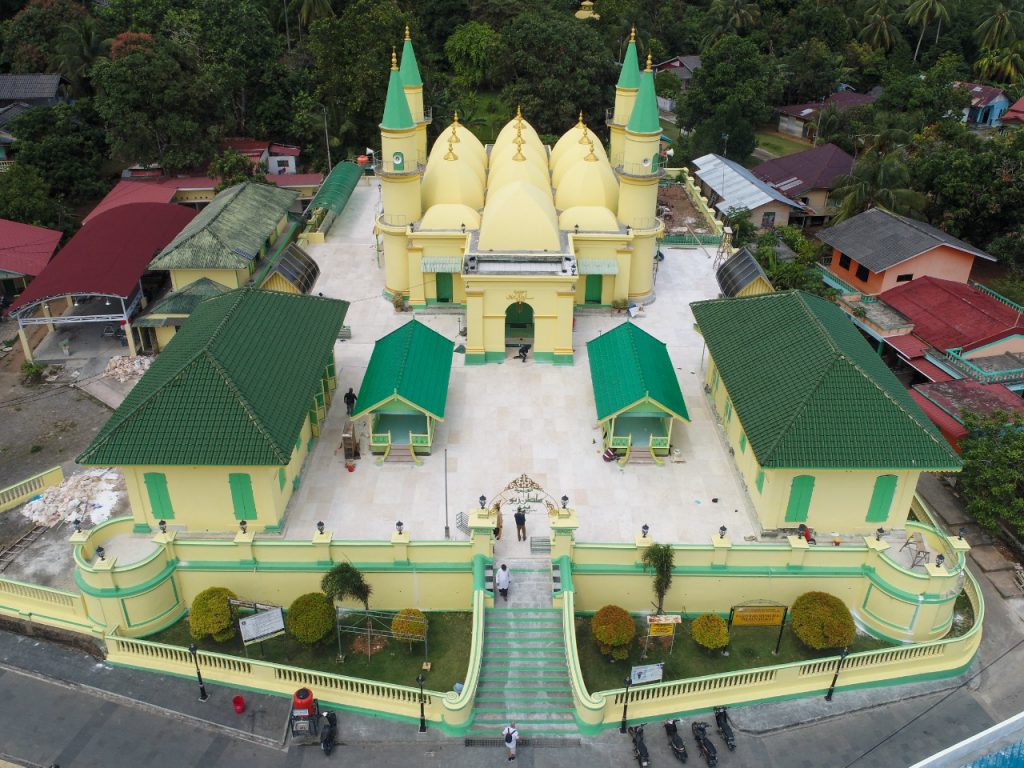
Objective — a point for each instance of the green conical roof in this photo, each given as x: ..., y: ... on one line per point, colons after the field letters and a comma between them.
x: 397, y: 116
x: 410, y: 70
x: 644, y: 118
x: 629, y: 77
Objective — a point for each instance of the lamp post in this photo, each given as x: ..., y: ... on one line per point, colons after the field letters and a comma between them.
x: 199, y: 676
x: 625, y: 705
x: 420, y: 679
x: 839, y: 665
x: 327, y: 141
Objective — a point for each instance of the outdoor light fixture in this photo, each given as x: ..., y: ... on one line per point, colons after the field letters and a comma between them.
x: 107, y: 302
x: 242, y: 524
x: 420, y: 680
x: 645, y: 529
x: 721, y: 532
x: 960, y: 533
x: 399, y: 526
x: 625, y: 703
x: 939, y: 560
x: 78, y: 525
x: 879, y: 533
x: 565, y: 500
x: 100, y: 553
x: 483, y: 502
x: 163, y: 526
x: 320, y: 526
x: 195, y: 657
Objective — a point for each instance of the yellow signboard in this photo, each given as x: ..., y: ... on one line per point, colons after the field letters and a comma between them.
x: 662, y: 630
x: 758, y: 615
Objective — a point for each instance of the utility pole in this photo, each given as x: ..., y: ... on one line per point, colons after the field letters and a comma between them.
x: 287, y: 32
x: 327, y: 141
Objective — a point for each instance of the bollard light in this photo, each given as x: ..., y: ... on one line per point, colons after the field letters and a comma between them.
x: 722, y: 532
x: 565, y: 500
x: 78, y: 525
x: 163, y: 526
x: 320, y: 526
x: 960, y: 533
x: 483, y: 502
x: 644, y: 530
x: 243, y: 525
x: 939, y: 560
x: 100, y: 553
x: 879, y: 533
x: 399, y: 526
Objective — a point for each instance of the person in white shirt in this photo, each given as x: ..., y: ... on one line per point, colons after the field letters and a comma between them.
x: 502, y: 579
x: 511, y: 736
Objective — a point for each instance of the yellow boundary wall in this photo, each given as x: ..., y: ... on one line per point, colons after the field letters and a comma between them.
x: 16, y: 494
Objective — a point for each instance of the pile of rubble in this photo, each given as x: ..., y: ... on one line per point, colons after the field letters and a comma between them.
x: 89, y: 496
x: 124, y: 368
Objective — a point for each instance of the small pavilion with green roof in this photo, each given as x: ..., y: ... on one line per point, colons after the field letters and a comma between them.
x: 636, y: 392
x: 405, y: 389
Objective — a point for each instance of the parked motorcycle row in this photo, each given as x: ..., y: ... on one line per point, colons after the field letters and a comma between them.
x: 705, y: 747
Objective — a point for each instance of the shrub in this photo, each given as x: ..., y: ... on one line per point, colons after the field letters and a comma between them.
x: 409, y: 624
x: 310, y: 618
x: 614, y: 630
x: 822, y: 621
x: 710, y: 631
x: 211, y: 615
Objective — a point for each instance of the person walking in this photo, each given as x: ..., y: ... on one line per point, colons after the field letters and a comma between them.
x: 502, y: 579
x: 511, y: 736
x: 520, y: 517
x: 350, y: 401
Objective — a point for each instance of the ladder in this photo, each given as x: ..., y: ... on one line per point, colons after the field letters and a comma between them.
x: 11, y: 554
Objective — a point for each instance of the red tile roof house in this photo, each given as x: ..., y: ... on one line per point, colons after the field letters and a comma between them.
x: 801, y: 120
x: 945, y: 402
x: 808, y: 177
x: 276, y: 158
x: 24, y: 252
x: 1014, y: 115
x: 682, y: 67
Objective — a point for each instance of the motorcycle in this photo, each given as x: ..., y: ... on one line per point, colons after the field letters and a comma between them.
x: 675, y: 741
x: 327, y: 732
x: 724, y: 729
x: 643, y: 757
x: 704, y: 746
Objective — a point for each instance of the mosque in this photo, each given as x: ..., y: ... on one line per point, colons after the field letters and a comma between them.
x: 517, y: 233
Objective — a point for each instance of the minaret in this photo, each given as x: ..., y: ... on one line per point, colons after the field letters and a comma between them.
x: 413, y: 87
x: 401, y: 169
x: 639, y: 170
x: 625, y: 95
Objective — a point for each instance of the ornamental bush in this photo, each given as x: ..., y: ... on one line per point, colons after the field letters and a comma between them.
x: 822, y: 621
x: 614, y: 630
x: 310, y: 618
x: 710, y: 631
x: 211, y: 615
x: 410, y: 625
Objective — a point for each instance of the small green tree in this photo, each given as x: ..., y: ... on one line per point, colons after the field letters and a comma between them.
x: 410, y: 624
x: 232, y: 168
x: 660, y: 558
x: 710, y: 631
x: 614, y: 629
x: 310, y: 617
x: 743, y: 229
x: 212, y: 616
x: 993, y: 475
x: 822, y: 621
x: 346, y: 581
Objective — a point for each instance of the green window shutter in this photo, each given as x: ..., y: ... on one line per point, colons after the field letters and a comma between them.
x: 743, y: 442
x: 714, y: 381
x: 728, y: 411
x: 241, y: 495
x: 280, y: 477
x: 159, y: 498
x: 881, y: 498
x: 799, y: 498
x: 760, y: 481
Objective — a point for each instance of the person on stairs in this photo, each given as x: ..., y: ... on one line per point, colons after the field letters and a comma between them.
x: 502, y: 579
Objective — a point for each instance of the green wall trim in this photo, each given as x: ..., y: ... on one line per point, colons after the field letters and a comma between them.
x: 475, y: 359
x: 276, y: 528
x: 170, y: 622
x: 141, y: 528
x: 177, y: 602
x: 138, y: 589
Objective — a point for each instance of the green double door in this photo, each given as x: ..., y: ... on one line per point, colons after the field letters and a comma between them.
x: 593, y: 287
x: 444, y: 287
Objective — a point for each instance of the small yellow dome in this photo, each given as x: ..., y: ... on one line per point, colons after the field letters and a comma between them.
x: 440, y: 155
x: 452, y: 181
x: 588, y: 183
x: 467, y: 145
x: 574, y: 153
x: 519, y: 218
x: 508, y: 171
x: 450, y: 216
x: 569, y: 138
x: 589, y: 218
x: 511, y: 128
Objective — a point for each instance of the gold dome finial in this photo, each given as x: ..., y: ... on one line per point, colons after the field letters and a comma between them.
x: 407, y: 36
x: 456, y: 118
x: 632, y: 34
x: 585, y: 138
x: 648, y: 62
x: 453, y: 137
x: 591, y: 157
x: 450, y: 154
x: 519, y: 113
x: 394, y: 59
x: 518, y: 141
x: 580, y: 123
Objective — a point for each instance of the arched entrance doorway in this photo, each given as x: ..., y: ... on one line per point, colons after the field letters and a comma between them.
x: 519, y: 323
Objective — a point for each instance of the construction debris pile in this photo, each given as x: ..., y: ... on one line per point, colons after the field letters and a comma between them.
x: 89, y: 496
x: 124, y: 368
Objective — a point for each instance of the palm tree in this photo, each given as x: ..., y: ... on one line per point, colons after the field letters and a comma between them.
x: 1004, y: 65
x: 312, y: 10
x: 924, y: 12
x: 81, y: 45
x: 731, y: 17
x: 343, y: 581
x: 660, y: 559
x: 999, y: 29
x: 877, y: 181
x: 879, y: 26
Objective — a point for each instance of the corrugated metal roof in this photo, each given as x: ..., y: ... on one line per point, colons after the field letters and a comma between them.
x: 25, y: 249
x: 598, y: 266
x: 451, y: 264
x: 735, y: 185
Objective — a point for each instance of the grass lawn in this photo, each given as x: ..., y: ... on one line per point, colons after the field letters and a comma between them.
x: 749, y: 647
x: 669, y: 129
x: 449, y: 636
x: 778, y: 145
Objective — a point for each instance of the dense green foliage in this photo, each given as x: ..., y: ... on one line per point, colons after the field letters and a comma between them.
x: 993, y: 476
x: 212, y: 616
x: 822, y: 621
x: 710, y: 631
x: 345, y: 581
x: 310, y: 618
x: 614, y: 629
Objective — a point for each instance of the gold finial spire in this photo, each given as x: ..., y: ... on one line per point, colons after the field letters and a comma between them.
x: 450, y: 154
x: 518, y: 141
x: 585, y: 138
x: 632, y: 34
x: 453, y: 137
x: 591, y: 157
x: 394, y: 59
x: 519, y: 113
x: 407, y: 36
x: 580, y: 123
x: 648, y: 62
x: 456, y: 118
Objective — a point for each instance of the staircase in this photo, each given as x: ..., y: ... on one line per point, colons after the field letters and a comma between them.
x: 523, y: 673
x: 401, y: 454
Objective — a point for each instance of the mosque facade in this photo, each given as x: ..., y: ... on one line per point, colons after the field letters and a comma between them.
x: 517, y: 233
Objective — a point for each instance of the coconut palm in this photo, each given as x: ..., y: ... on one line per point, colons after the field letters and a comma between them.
x: 660, y: 559
x: 81, y: 45
x: 877, y: 181
x: 999, y: 29
x: 1004, y: 65
x: 345, y: 580
x: 923, y: 13
x: 880, y: 25
x: 312, y: 10
x: 731, y: 17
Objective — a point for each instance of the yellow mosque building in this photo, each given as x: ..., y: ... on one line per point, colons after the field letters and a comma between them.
x: 518, y: 233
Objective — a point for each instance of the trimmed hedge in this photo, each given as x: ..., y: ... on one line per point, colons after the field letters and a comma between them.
x: 614, y: 629
x: 310, y: 617
x: 822, y: 621
x: 710, y: 631
x: 410, y: 625
x: 210, y: 615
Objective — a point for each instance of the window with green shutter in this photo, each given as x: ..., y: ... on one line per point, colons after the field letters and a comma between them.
x: 241, y: 495
x: 760, y: 481
x: 799, y: 498
x: 881, y: 498
x: 743, y: 442
x: 728, y: 411
x: 280, y: 477
x: 714, y: 381
x: 159, y: 498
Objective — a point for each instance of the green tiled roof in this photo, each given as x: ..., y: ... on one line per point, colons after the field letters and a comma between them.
x: 184, y: 300
x: 232, y: 388
x: 410, y: 70
x: 629, y: 77
x: 629, y: 366
x: 412, y: 362
x: 644, y: 117
x: 809, y: 390
x: 397, y: 116
x: 229, y: 232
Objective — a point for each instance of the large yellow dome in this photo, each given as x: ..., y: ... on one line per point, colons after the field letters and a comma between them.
x: 467, y: 145
x: 518, y: 217
x: 588, y: 182
x: 450, y: 216
x: 589, y: 218
x: 452, y: 181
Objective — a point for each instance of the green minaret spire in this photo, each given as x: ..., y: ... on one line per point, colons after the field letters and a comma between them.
x: 644, y: 118
x: 397, y: 116
x: 629, y: 77
x: 410, y: 70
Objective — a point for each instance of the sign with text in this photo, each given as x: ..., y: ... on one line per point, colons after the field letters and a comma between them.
x: 647, y: 673
x: 758, y: 615
x: 262, y: 626
x: 662, y: 626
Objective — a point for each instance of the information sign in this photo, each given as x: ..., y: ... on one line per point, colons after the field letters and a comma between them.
x: 262, y: 626
x: 758, y: 615
x: 648, y: 673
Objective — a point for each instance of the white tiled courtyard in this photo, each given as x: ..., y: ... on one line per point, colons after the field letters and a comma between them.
x: 514, y: 418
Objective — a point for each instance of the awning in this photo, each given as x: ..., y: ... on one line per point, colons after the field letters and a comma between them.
x: 442, y: 264
x: 908, y: 346
x: 598, y: 266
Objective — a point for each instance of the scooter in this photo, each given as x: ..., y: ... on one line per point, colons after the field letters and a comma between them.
x: 327, y: 732
x: 724, y: 729
x: 636, y: 733
x: 675, y: 740
x: 704, y: 746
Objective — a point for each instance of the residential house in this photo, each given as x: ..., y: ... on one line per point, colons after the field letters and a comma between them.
x: 275, y: 158
x: 987, y: 105
x: 742, y: 275
x: 682, y: 67
x: 217, y: 430
x: 801, y: 120
x: 822, y: 432
x: 1014, y: 115
x: 944, y: 402
x: 875, y: 251
x: 24, y: 253
x: 808, y: 177
x: 39, y: 90
x: 729, y: 186
x: 7, y: 115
